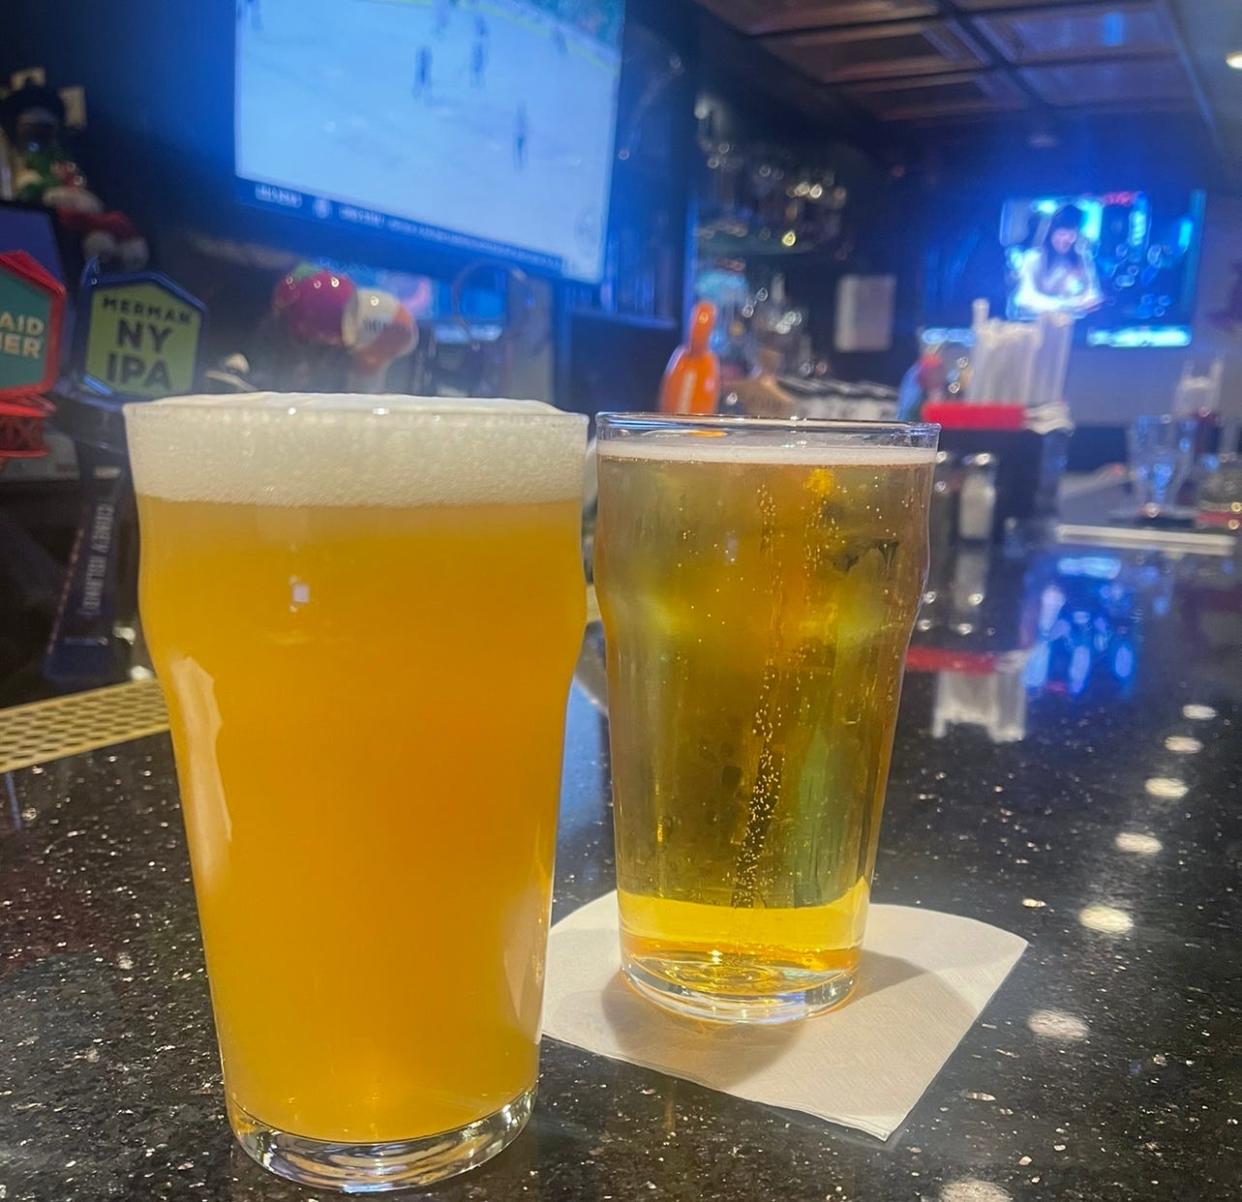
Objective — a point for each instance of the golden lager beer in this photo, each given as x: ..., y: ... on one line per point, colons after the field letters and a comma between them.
x: 758, y: 583
x: 365, y: 614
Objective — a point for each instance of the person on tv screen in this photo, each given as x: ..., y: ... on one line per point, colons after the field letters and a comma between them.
x: 1057, y: 273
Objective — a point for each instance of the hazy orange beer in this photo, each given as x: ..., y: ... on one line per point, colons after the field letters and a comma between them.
x: 365, y: 613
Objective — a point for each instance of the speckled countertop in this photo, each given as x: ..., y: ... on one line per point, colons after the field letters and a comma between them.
x: 1106, y: 829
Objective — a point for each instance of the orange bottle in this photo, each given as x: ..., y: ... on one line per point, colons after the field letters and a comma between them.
x: 691, y: 381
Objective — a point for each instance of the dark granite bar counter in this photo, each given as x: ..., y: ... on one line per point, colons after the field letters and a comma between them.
x: 1068, y: 766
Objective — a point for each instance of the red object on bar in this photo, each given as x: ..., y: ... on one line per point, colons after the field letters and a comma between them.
x: 21, y: 427
x: 1226, y: 519
x: 987, y: 415
x: 940, y: 659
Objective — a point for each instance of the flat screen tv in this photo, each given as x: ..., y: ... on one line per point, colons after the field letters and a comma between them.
x: 486, y: 126
x: 1123, y: 263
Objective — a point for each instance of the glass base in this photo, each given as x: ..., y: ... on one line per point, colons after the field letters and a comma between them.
x: 787, y: 994
x: 374, y: 1168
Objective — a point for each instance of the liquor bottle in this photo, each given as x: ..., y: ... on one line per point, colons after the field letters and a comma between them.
x: 691, y: 381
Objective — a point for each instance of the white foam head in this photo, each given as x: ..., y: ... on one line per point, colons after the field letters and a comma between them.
x: 763, y: 448
x: 270, y: 448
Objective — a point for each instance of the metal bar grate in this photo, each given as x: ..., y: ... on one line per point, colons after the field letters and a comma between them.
x: 49, y: 730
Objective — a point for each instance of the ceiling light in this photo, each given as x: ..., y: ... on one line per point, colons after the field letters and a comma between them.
x: 1183, y: 745
x: 974, y: 1189
x: 1234, y: 59
x: 1167, y: 788
x: 1139, y: 844
x: 1056, y: 1024
x: 1108, y: 919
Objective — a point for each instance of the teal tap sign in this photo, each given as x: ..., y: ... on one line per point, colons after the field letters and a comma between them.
x: 32, y: 308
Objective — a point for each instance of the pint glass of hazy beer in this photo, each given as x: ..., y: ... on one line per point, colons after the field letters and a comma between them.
x: 758, y: 582
x: 365, y: 613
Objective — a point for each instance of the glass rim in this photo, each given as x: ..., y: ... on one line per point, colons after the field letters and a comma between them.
x: 641, y: 422
x: 320, y: 406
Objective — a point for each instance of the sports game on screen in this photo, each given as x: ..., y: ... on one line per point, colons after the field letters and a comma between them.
x: 485, y: 124
x: 1124, y: 265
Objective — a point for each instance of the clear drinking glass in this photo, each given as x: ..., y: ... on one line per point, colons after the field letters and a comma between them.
x: 1161, y: 456
x: 365, y: 612
x: 758, y: 582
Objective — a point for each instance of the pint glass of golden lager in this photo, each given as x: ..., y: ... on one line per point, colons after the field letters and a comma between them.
x: 758, y: 582
x: 365, y: 613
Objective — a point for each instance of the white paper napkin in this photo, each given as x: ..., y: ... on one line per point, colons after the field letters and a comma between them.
x: 923, y: 980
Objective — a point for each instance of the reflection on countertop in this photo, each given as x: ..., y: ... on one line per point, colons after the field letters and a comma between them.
x: 1103, y: 826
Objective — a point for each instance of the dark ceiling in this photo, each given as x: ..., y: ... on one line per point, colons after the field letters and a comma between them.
x: 928, y: 63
